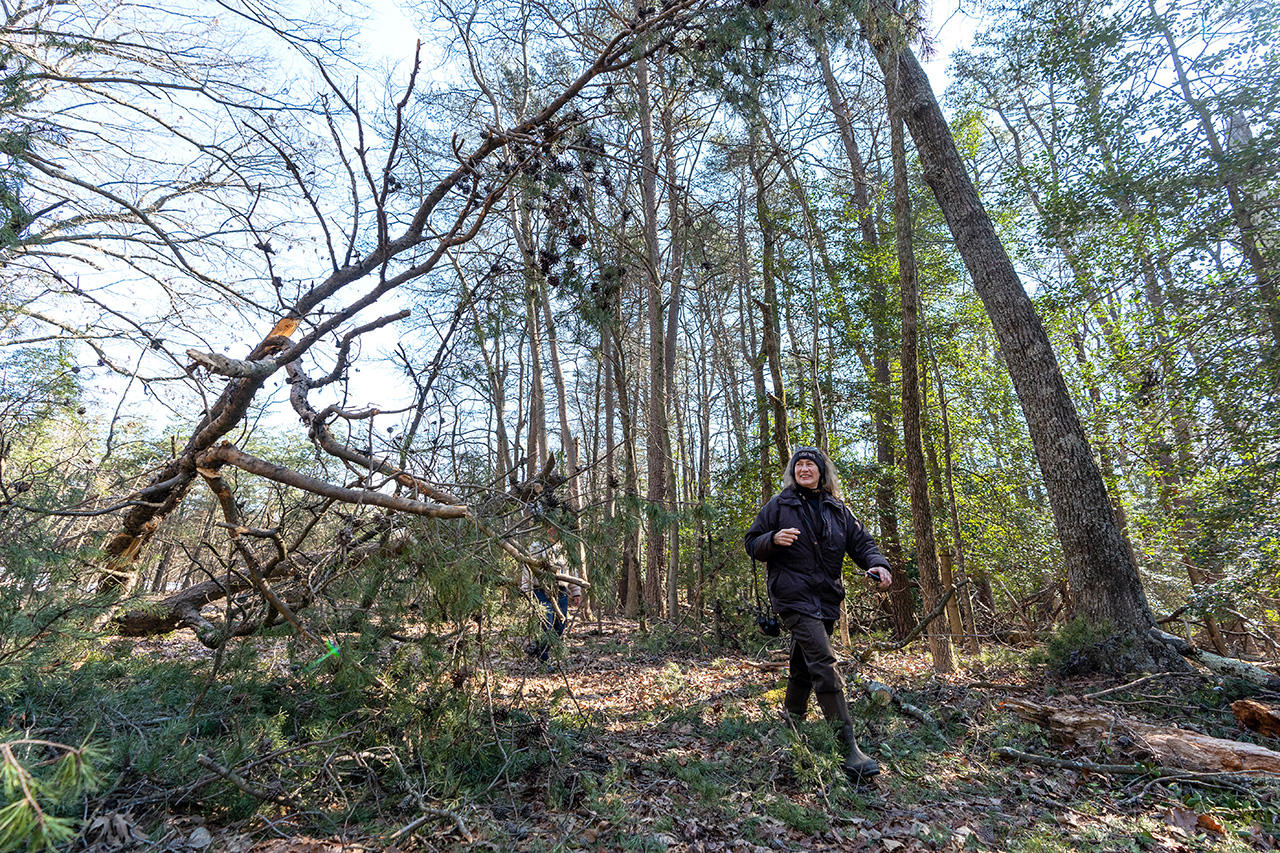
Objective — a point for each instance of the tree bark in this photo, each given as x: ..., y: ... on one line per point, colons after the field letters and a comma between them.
x: 677, y: 214
x: 917, y: 479
x: 900, y: 600
x: 770, y: 307
x: 657, y: 440
x: 963, y: 593
x: 753, y: 357
x: 629, y: 586
x: 1170, y: 747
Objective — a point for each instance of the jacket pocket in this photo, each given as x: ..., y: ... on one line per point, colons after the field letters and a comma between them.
x: 788, y: 587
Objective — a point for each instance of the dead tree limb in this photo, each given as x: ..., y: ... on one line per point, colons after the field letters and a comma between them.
x: 244, y: 785
x: 427, y: 814
x: 231, y: 455
x: 1174, y: 748
x: 417, y: 249
x: 1132, y: 684
x: 1217, y: 663
x: 320, y: 434
x: 865, y: 655
x: 1083, y: 766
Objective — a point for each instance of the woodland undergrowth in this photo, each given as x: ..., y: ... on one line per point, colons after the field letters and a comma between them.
x: 628, y: 740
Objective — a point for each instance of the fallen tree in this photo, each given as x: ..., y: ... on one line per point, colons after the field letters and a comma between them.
x: 1169, y: 747
x: 449, y: 214
x: 1217, y: 663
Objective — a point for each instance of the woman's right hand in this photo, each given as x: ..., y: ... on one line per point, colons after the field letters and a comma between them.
x: 786, y: 536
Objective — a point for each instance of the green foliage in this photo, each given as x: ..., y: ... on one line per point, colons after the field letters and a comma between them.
x: 42, y: 448
x: 1128, y: 221
x: 15, y: 142
x: 43, y: 786
x: 38, y: 387
x: 163, y: 714
x: 1081, y: 647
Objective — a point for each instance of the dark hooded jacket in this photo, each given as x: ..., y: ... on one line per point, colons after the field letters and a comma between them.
x: 805, y: 577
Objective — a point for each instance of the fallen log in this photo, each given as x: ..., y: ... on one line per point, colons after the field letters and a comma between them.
x: 1242, y: 781
x: 882, y: 694
x: 1217, y: 663
x: 1169, y: 747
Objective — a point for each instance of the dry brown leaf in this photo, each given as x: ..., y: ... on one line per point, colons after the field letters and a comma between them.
x: 1181, y: 818
x: 1211, y: 823
x: 114, y: 830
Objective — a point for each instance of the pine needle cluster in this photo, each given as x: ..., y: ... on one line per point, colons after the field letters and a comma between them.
x: 42, y: 781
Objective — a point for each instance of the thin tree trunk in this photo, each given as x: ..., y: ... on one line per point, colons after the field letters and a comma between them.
x: 753, y: 358
x: 568, y: 443
x: 963, y: 593
x: 900, y: 600
x: 537, y: 416
x: 609, y: 509
x: 770, y: 309
x: 629, y: 585
x: 938, y: 509
x: 657, y: 444
x: 917, y: 479
x: 676, y: 217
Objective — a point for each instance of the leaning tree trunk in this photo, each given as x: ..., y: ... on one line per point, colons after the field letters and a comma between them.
x: 1104, y: 581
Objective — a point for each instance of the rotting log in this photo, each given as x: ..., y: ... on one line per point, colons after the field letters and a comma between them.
x: 1257, y: 717
x: 1169, y: 747
x: 1217, y: 663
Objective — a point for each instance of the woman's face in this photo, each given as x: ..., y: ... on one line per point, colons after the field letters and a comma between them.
x: 807, y: 474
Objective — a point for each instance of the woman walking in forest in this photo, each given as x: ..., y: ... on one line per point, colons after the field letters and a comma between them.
x: 802, y: 536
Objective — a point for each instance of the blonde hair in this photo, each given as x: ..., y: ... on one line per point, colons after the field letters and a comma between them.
x: 830, y: 479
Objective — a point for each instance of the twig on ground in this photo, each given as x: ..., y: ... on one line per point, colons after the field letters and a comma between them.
x: 1009, y: 687
x: 1142, y: 680
x: 916, y: 713
x: 883, y: 694
x: 427, y: 814
x: 237, y: 780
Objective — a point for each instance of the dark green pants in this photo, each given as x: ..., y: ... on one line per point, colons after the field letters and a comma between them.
x: 813, y: 662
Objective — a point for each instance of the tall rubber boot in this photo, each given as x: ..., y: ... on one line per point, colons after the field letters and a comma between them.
x: 796, y: 703
x: 857, y: 764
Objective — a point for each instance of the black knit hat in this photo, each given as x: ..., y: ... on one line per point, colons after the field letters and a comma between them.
x: 813, y: 455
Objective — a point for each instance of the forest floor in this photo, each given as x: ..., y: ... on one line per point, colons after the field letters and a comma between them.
x: 652, y: 743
